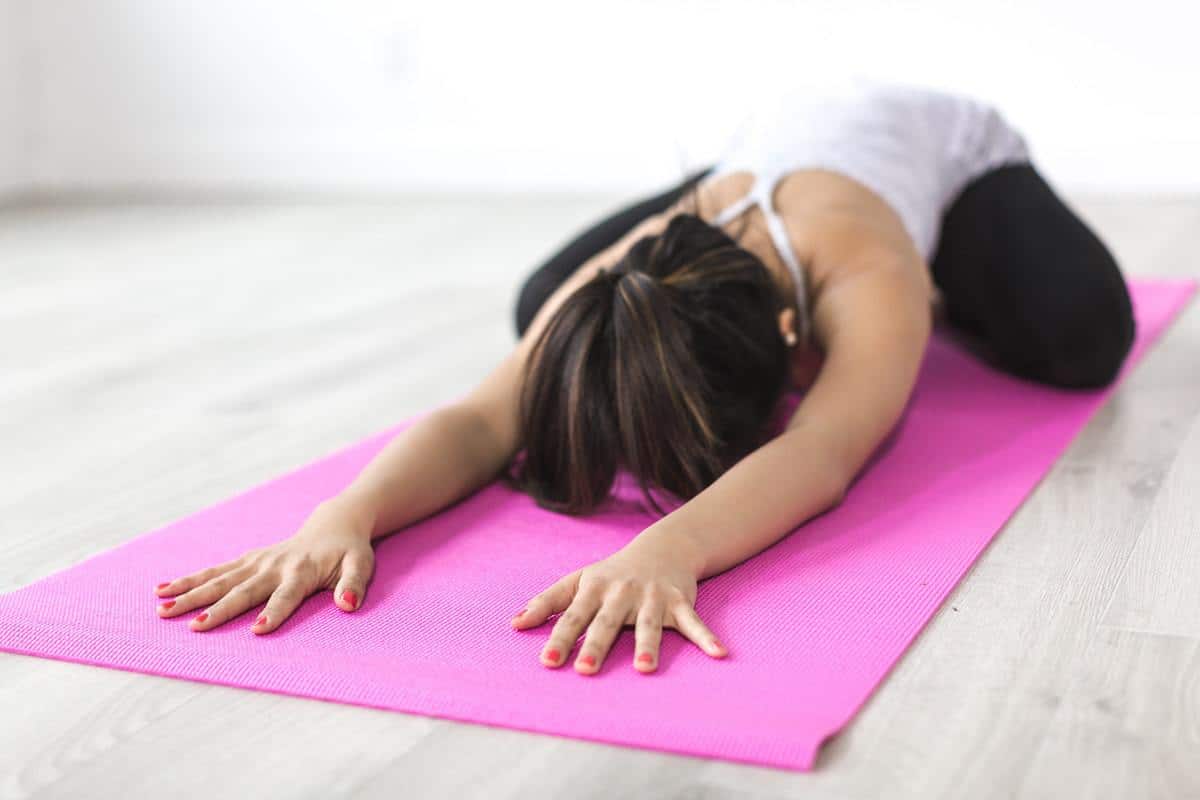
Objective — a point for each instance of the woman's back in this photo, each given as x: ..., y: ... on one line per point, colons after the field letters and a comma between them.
x: 914, y: 147
x: 889, y: 157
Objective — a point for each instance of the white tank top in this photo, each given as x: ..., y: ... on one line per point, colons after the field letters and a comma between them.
x: 916, y: 148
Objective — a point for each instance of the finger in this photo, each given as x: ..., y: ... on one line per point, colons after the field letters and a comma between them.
x: 569, y: 626
x: 246, y: 594
x: 602, y: 632
x: 357, y: 566
x: 688, y: 622
x: 648, y: 634
x: 554, y: 599
x: 286, y: 598
x: 204, y: 594
x: 181, y: 585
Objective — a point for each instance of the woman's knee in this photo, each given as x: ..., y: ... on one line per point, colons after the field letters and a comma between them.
x: 1036, y: 281
x: 1093, y: 368
x: 1099, y: 364
x: 1086, y: 345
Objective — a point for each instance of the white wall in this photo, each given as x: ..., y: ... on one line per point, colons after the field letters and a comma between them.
x: 383, y: 95
x: 14, y: 118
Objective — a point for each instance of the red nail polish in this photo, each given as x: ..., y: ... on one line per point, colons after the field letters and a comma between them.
x: 645, y: 658
x: 262, y: 620
x: 588, y: 660
x: 202, y: 617
x: 717, y: 644
x: 168, y: 604
x: 552, y: 655
x: 351, y: 598
x: 161, y: 585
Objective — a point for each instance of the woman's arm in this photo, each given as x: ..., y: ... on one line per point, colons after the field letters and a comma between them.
x: 876, y: 322
x: 436, y: 461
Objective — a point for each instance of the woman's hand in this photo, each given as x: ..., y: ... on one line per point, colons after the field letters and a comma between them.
x: 332, y: 548
x: 646, y: 583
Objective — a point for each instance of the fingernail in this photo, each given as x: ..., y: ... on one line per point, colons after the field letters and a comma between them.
x: 519, y: 613
x: 167, y: 605
x: 161, y: 585
x: 717, y: 645
x: 588, y: 660
x: 645, y: 658
x: 202, y: 617
x: 552, y: 655
x: 262, y: 620
x: 351, y: 598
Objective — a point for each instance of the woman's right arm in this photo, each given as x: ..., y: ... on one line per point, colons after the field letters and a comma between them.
x: 447, y: 455
x: 439, y: 459
x: 428, y: 465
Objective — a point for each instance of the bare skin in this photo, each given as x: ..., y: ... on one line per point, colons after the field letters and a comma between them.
x: 870, y: 301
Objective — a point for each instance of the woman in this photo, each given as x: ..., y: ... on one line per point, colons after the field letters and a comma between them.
x: 660, y: 340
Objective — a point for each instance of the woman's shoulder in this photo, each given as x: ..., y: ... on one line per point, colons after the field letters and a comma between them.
x: 824, y: 213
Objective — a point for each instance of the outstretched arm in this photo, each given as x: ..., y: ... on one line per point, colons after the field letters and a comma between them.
x: 875, y: 322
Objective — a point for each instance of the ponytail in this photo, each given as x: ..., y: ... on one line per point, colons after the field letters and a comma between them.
x: 667, y: 365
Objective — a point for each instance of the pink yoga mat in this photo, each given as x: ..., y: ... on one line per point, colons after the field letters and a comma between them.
x: 812, y: 624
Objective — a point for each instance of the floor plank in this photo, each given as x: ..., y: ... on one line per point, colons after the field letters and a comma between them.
x: 1129, y: 725
x: 1159, y: 591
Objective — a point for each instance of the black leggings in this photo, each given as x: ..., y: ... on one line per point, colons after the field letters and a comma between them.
x: 1028, y: 284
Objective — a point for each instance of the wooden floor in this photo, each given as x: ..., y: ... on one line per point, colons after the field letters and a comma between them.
x: 158, y: 358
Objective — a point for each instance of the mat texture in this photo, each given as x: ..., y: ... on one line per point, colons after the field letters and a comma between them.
x: 813, y: 624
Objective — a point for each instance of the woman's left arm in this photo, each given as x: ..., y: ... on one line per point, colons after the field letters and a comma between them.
x: 875, y: 322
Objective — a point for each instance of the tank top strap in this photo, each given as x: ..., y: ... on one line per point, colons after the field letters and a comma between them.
x: 761, y: 193
x: 732, y: 211
x: 783, y: 246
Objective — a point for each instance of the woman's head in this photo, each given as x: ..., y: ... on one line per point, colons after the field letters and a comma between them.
x: 668, y: 365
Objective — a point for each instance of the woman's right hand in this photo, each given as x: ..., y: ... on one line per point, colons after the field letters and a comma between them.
x: 332, y: 550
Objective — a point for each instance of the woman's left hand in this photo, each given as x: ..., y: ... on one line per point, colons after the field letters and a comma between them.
x: 643, y: 584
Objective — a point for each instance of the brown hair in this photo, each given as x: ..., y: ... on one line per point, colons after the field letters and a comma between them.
x: 668, y: 364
